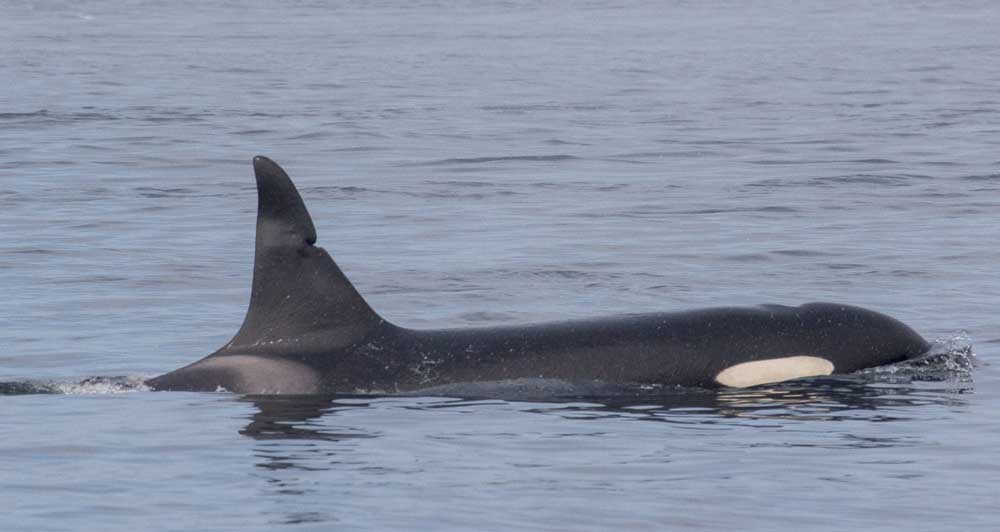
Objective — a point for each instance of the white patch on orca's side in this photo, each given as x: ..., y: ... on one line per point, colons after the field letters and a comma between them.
x: 773, y: 370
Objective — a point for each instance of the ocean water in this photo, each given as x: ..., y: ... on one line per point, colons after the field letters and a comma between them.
x: 474, y: 163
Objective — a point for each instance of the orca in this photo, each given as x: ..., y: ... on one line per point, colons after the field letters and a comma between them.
x: 309, y: 331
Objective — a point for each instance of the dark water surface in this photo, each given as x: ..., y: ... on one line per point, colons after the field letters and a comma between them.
x: 486, y: 163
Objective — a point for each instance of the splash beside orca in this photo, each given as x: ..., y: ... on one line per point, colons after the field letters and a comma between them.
x: 309, y: 331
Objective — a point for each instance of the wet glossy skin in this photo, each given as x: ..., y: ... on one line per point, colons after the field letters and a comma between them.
x: 309, y: 331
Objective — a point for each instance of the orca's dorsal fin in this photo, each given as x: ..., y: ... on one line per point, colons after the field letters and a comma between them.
x: 301, y: 303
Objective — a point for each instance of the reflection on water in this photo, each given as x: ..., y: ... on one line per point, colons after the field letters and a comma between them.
x: 289, y: 418
x: 350, y: 451
x: 293, y: 423
x: 827, y: 399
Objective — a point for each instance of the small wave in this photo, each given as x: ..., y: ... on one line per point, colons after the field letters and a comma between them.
x: 252, y: 132
x: 930, y: 68
x: 857, y: 92
x: 25, y: 388
x: 311, y: 135
x: 159, y: 192
x: 45, y: 116
x: 463, y: 183
x: 238, y: 70
x: 31, y: 251
x: 896, y: 180
x: 776, y: 162
x: 844, y: 266
x: 29, y: 114
x: 174, y: 117
x: 802, y: 253
x: 665, y: 154
x: 873, y: 161
x: 338, y: 189
x: 541, y: 107
x: 358, y: 149
x: 487, y: 317
x: 765, y: 209
x: 981, y: 177
x: 88, y: 386
x: 863, y: 179
x: 502, y: 159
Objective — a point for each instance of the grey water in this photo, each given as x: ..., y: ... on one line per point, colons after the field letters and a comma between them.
x: 474, y: 163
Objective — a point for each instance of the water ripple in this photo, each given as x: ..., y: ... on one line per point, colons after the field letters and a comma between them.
x: 503, y: 159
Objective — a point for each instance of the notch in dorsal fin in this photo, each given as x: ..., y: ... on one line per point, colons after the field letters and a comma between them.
x: 301, y: 302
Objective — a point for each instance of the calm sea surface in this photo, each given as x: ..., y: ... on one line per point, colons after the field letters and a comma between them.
x: 491, y: 163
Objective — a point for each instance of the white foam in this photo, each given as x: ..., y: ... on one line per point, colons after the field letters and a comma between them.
x: 948, y: 359
x: 102, y: 385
